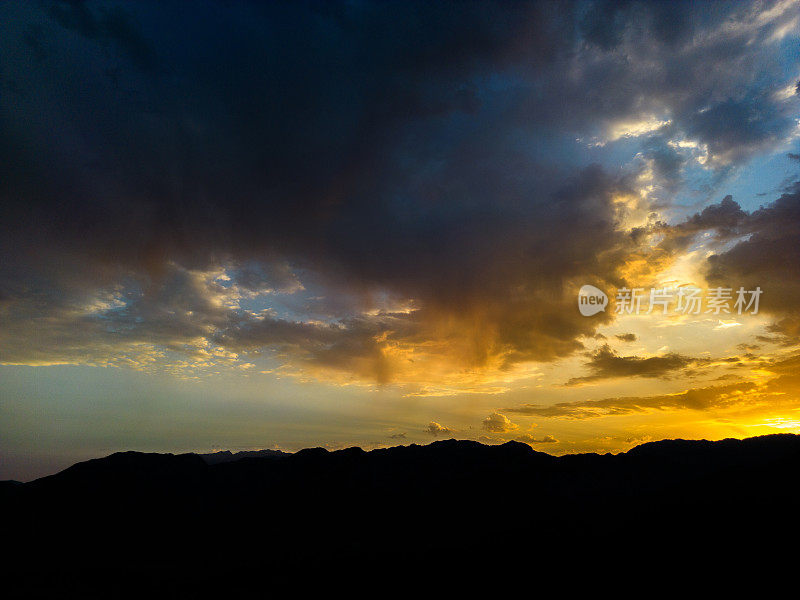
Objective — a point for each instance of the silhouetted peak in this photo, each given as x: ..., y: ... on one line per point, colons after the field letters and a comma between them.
x: 9, y: 485
x: 353, y: 451
x: 307, y: 453
x: 676, y: 446
x: 729, y: 451
x: 128, y: 466
x: 788, y: 439
x: 454, y: 444
x: 215, y: 458
x: 514, y: 447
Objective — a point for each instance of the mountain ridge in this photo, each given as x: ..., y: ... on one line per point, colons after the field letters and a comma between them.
x: 441, y: 504
x: 651, y: 448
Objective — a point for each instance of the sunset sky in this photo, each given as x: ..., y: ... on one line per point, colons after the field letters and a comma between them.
x: 232, y: 225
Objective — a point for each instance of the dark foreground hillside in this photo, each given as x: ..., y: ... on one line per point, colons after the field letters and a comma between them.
x: 449, y: 509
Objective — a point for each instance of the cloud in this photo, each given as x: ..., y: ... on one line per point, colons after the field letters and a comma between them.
x: 498, y: 423
x: 527, y: 438
x: 725, y: 217
x: 436, y: 429
x: 696, y: 398
x: 485, y: 439
x: 778, y: 391
x: 785, y: 332
x: 767, y: 257
x: 626, y: 337
x: 605, y: 363
x: 384, y: 202
x: 757, y: 249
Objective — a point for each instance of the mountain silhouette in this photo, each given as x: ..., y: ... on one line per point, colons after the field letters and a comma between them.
x: 214, y: 458
x: 406, y: 509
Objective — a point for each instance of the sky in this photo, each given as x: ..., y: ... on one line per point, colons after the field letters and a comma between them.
x: 234, y: 225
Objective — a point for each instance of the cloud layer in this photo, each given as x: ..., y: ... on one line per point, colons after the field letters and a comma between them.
x: 379, y: 192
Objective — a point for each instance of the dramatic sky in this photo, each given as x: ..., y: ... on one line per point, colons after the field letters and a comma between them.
x: 243, y: 225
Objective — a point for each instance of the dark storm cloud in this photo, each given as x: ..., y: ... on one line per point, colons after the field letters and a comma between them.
x: 759, y: 249
x: 723, y: 219
x: 769, y: 257
x: 735, y: 128
x: 418, y: 149
x: 604, y: 363
x: 668, y: 161
x: 105, y: 24
x: 351, y: 345
x: 762, y: 249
